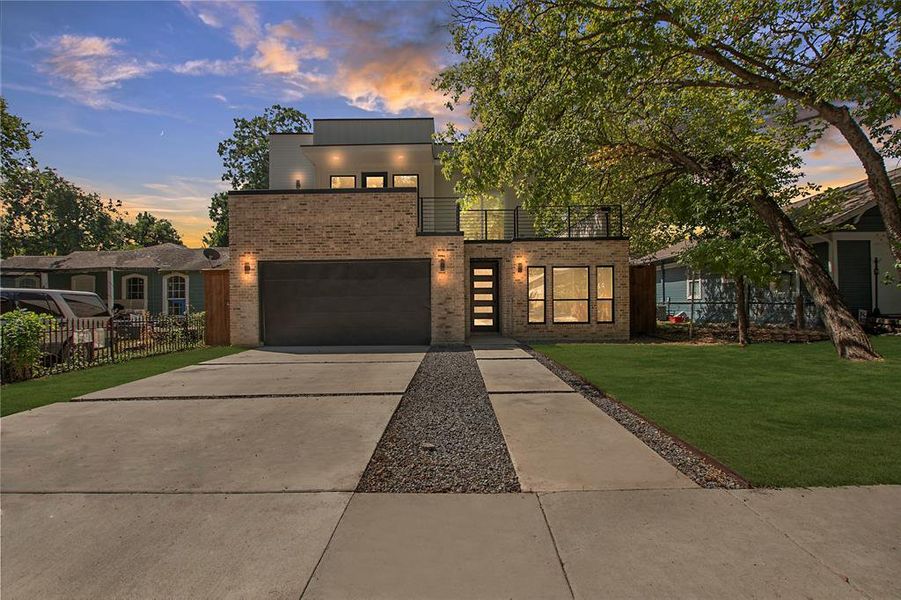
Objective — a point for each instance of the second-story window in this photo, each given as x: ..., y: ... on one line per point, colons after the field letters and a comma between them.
x: 405, y: 181
x: 375, y: 180
x: 343, y: 181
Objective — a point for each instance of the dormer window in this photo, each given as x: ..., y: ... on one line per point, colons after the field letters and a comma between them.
x: 343, y: 181
x: 375, y: 180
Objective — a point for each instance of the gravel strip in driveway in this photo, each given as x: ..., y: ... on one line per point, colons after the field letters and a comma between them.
x: 700, y: 468
x: 444, y: 435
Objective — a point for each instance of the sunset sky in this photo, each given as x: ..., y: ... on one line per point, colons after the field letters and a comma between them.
x: 133, y: 97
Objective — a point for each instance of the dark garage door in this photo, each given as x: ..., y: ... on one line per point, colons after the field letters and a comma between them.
x: 345, y: 302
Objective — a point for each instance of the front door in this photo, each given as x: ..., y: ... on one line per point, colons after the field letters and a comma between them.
x: 483, y: 296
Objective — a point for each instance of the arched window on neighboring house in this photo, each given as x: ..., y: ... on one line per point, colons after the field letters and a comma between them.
x: 83, y: 283
x: 134, y: 292
x: 28, y: 281
x: 175, y: 294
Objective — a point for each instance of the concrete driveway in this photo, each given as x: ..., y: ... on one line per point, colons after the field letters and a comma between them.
x: 295, y: 371
x: 248, y: 493
x: 224, y: 479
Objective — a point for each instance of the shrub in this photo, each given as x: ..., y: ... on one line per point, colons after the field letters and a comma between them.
x: 187, y: 329
x: 21, y: 338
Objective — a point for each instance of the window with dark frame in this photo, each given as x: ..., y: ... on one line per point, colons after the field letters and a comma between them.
x: 340, y: 182
x: 405, y: 181
x: 537, y: 295
x: 134, y: 288
x: 604, y: 284
x: 570, y: 299
x: 375, y: 180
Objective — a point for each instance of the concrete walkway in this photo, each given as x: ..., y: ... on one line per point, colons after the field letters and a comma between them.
x: 249, y: 497
x: 557, y: 439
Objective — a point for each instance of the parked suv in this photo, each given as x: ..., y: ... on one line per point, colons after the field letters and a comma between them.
x: 82, y: 317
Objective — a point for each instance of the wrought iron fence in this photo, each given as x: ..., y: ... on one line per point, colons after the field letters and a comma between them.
x: 74, y: 344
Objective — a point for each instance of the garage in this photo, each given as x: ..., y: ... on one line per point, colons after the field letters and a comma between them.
x: 331, y: 303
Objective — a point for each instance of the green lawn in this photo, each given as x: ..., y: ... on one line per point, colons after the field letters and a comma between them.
x: 778, y: 414
x: 25, y: 395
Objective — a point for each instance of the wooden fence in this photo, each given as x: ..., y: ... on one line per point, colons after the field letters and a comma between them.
x: 642, y: 300
x: 216, y: 287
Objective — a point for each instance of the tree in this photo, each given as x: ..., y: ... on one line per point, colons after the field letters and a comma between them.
x: 837, y: 60
x: 245, y: 160
x: 218, y: 235
x: 565, y: 126
x: 43, y: 213
x: 148, y: 230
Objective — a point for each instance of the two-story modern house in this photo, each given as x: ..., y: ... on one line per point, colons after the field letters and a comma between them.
x: 361, y: 240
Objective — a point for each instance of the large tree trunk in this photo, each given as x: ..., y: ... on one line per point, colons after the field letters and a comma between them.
x: 877, y: 176
x: 847, y: 335
x: 741, y: 311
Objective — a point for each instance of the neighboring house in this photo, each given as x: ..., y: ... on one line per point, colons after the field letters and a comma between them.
x: 853, y: 248
x: 163, y: 279
x: 360, y: 241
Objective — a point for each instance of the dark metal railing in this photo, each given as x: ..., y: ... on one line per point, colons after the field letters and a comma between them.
x: 443, y: 215
x: 72, y: 344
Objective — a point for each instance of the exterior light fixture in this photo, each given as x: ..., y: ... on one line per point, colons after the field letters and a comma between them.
x: 297, y: 184
x: 442, y: 265
x: 519, y: 267
x: 247, y: 267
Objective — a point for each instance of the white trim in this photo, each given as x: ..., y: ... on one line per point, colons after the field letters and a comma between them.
x: 83, y: 276
x: 692, y: 276
x: 187, y: 291
x: 124, y: 284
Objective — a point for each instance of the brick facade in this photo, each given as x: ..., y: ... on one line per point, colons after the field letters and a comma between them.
x: 337, y: 226
x: 366, y: 225
x: 513, y: 292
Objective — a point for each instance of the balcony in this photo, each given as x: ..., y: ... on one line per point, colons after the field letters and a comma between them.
x: 443, y: 215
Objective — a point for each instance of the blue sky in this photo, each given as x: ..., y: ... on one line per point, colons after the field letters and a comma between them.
x: 133, y: 97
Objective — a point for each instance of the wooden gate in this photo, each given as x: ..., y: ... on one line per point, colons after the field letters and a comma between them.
x: 642, y: 299
x: 215, y: 283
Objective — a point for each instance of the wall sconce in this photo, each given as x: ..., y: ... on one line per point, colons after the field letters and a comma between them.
x: 297, y: 184
x: 519, y: 266
x: 247, y: 268
x: 442, y: 265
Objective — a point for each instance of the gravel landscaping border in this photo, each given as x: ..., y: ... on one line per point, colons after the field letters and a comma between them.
x: 444, y: 435
x: 701, y: 468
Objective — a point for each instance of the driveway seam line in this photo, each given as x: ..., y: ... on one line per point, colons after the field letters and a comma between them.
x: 327, y: 544
x: 237, y: 396
x: 171, y: 492
x: 554, y: 543
x: 800, y: 546
x: 306, y: 362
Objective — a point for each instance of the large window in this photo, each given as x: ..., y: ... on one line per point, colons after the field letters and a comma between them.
x: 343, y: 181
x: 375, y: 180
x: 570, y: 294
x: 537, y: 294
x: 604, y: 294
x: 83, y: 283
x: 175, y: 288
x: 405, y: 181
x: 134, y: 292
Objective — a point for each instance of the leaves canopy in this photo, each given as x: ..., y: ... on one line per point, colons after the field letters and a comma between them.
x: 245, y: 160
x: 44, y: 213
x: 148, y: 230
